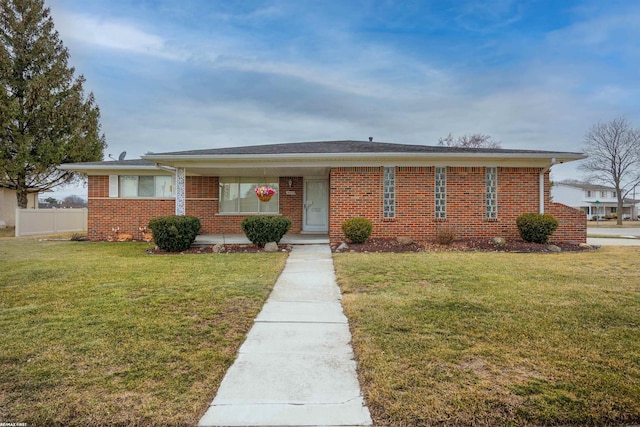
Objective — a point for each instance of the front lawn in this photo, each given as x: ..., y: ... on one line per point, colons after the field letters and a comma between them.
x: 104, y: 334
x: 496, y: 338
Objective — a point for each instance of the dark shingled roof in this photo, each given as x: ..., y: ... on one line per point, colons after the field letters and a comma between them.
x: 336, y: 147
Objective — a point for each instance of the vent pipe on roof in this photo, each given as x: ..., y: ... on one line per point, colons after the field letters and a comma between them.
x: 370, y: 139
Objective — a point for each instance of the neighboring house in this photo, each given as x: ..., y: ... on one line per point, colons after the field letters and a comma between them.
x: 405, y: 190
x: 594, y: 200
x: 9, y: 203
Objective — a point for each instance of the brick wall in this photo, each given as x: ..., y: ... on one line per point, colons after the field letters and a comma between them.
x: 572, y: 223
x: 358, y: 192
x: 201, y: 192
x: 355, y: 192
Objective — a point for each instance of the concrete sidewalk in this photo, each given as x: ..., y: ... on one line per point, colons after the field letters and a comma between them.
x: 296, y: 366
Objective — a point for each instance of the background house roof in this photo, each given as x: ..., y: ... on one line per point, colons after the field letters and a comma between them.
x: 585, y: 185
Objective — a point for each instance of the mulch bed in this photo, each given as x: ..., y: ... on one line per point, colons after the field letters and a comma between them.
x: 374, y: 245
x: 210, y: 249
x: 379, y: 245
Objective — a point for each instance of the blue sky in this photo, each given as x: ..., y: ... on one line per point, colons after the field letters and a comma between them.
x: 192, y: 74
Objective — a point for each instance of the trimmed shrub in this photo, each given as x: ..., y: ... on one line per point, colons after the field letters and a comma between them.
x: 262, y: 229
x: 357, y: 230
x: 536, y: 228
x: 174, y: 233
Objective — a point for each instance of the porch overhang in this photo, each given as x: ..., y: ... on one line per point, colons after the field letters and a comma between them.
x: 314, y: 164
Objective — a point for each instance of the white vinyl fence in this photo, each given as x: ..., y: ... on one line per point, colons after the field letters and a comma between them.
x: 30, y: 222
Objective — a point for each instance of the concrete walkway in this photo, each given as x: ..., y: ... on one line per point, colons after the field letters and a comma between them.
x: 296, y: 366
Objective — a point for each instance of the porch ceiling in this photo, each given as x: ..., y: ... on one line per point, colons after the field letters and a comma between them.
x: 275, y: 171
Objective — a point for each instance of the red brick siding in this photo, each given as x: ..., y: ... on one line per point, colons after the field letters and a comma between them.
x: 201, y: 193
x: 126, y: 215
x: 291, y: 204
x: 98, y: 186
x: 358, y: 192
x: 354, y: 192
x: 572, y: 223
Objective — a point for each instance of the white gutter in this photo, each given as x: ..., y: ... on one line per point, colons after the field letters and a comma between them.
x: 541, y: 183
x: 566, y: 156
x: 166, y: 168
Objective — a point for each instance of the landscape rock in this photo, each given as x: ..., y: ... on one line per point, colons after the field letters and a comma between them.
x: 585, y: 246
x: 342, y: 246
x: 553, y: 248
x: 499, y: 241
x: 218, y: 248
x: 271, y: 247
x: 405, y: 240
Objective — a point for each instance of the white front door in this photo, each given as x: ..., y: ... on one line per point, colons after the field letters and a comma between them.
x: 316, y: 205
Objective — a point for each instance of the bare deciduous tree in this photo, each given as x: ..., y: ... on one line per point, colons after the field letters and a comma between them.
x: 475, y: 140
x: 614, y: 157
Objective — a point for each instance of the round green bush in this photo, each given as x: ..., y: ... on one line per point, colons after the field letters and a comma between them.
x: 261, y: 229
x: 357, y: 230
x: 174, y: 233
x: 535, y: 227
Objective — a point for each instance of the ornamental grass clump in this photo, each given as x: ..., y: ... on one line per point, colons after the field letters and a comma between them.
x: 264, y: 229
x: 445, y: 236
x: 535, y: 227
x: 357, y: 230
x: 174, y: 233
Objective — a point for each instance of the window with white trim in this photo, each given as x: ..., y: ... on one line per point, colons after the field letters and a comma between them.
x: 238, y: 195
x: 389, y: 193
x: 491, y: 195
x: 440, y: 193
x: 132, y: 186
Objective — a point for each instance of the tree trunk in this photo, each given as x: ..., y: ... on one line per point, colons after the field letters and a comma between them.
x: 619, y: 210
x: 21, y: 195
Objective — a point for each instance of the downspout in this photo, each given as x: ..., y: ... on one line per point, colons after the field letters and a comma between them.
x: 541, y: 184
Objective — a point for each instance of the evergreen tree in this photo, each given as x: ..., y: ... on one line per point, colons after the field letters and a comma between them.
x: 45, y: 118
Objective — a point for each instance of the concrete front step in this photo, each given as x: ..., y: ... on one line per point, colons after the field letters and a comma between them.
x: 241, y: 239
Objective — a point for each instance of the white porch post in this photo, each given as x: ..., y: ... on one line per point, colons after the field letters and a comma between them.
x: 180, y: 191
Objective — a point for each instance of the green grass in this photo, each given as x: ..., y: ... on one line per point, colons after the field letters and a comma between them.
x: 496, y: 338
x: 104, y: 334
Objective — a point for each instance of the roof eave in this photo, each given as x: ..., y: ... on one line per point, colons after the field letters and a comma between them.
x: 83, y: 168
x: 559, y: 156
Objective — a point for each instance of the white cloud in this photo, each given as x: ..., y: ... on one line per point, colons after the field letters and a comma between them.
x: 114, y: 35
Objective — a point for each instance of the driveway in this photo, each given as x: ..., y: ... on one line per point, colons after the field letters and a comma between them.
x: 619, y: 236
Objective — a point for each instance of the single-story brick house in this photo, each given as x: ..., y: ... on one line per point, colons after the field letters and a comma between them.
x: 405, y: 190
